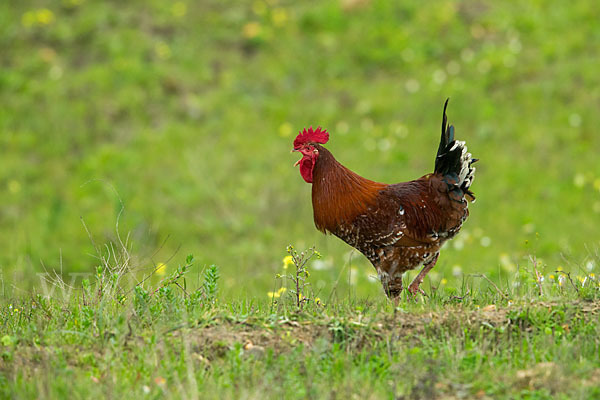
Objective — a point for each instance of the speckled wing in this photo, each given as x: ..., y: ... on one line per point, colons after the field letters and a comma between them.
x: 409, y: 223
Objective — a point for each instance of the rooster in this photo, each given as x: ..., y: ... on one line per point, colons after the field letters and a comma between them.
x: 398, y: 227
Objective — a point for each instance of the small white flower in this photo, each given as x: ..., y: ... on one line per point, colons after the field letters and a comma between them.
x: 458, y: 244
x: 515, y: 45
x: 484, y: 66
x: 589, y: 265
x: 439, y: 76
x: 579, y: 180
x: 453, y: 67
x: 467, y: 55
x: 457, y: 270
x: 575, y: 120
x: 412, y: 86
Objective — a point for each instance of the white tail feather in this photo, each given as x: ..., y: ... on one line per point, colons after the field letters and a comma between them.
x: 467, y: 172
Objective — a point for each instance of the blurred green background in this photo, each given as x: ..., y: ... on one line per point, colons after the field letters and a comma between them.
x: 186, y: 112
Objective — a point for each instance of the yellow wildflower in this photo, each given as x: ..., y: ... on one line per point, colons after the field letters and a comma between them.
x: 14, y: 186
x: 39, y: 17
x: 259, y: 7
x: 559, y: 268
x: 72, y: 3
x: 28, y: 19
x: 45, y: 16
x: 551, y: 276
x: 251, y: 30
x: 277, y: 294
x: 179, y: 9
x: 443, y: 281
x: 279, y: 17
x: 285, y: 129
x: 318, y: 301
x: 162, y: 50
x: 161, y: 269
x: 287, y: 261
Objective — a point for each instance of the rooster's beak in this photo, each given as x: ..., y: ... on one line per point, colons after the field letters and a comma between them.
x: 297, y: 162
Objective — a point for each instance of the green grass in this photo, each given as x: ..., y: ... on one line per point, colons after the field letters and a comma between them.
x: 110, y: 340
x: 164, y: 129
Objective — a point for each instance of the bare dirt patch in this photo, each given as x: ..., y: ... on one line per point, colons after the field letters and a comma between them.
x: 358, y: 331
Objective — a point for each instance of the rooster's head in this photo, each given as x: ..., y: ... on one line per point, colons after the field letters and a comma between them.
x: 305, y: 143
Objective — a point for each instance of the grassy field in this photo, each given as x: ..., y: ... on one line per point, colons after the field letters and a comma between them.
x: 135, y: 134
x: 535, y: 340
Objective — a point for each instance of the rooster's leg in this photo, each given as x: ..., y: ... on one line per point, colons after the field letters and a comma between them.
x: 414, y: 288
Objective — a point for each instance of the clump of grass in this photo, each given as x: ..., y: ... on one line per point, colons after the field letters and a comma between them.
x: 162, y: 302
x: 210, y: 285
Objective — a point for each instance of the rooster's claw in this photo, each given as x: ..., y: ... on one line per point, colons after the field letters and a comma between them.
x: 414, y: 289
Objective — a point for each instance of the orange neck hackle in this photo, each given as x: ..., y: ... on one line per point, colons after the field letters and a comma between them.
x: 338, y: 194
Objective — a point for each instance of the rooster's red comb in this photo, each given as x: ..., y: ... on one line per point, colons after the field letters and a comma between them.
x: 311, y: 135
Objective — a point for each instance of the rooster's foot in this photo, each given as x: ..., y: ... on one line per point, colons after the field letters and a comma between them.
x: 414, y: 289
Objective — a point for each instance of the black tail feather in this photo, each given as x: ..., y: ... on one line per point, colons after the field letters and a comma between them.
x: 453, y: 160
x: 447, y: 132
x: 448, y: 157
